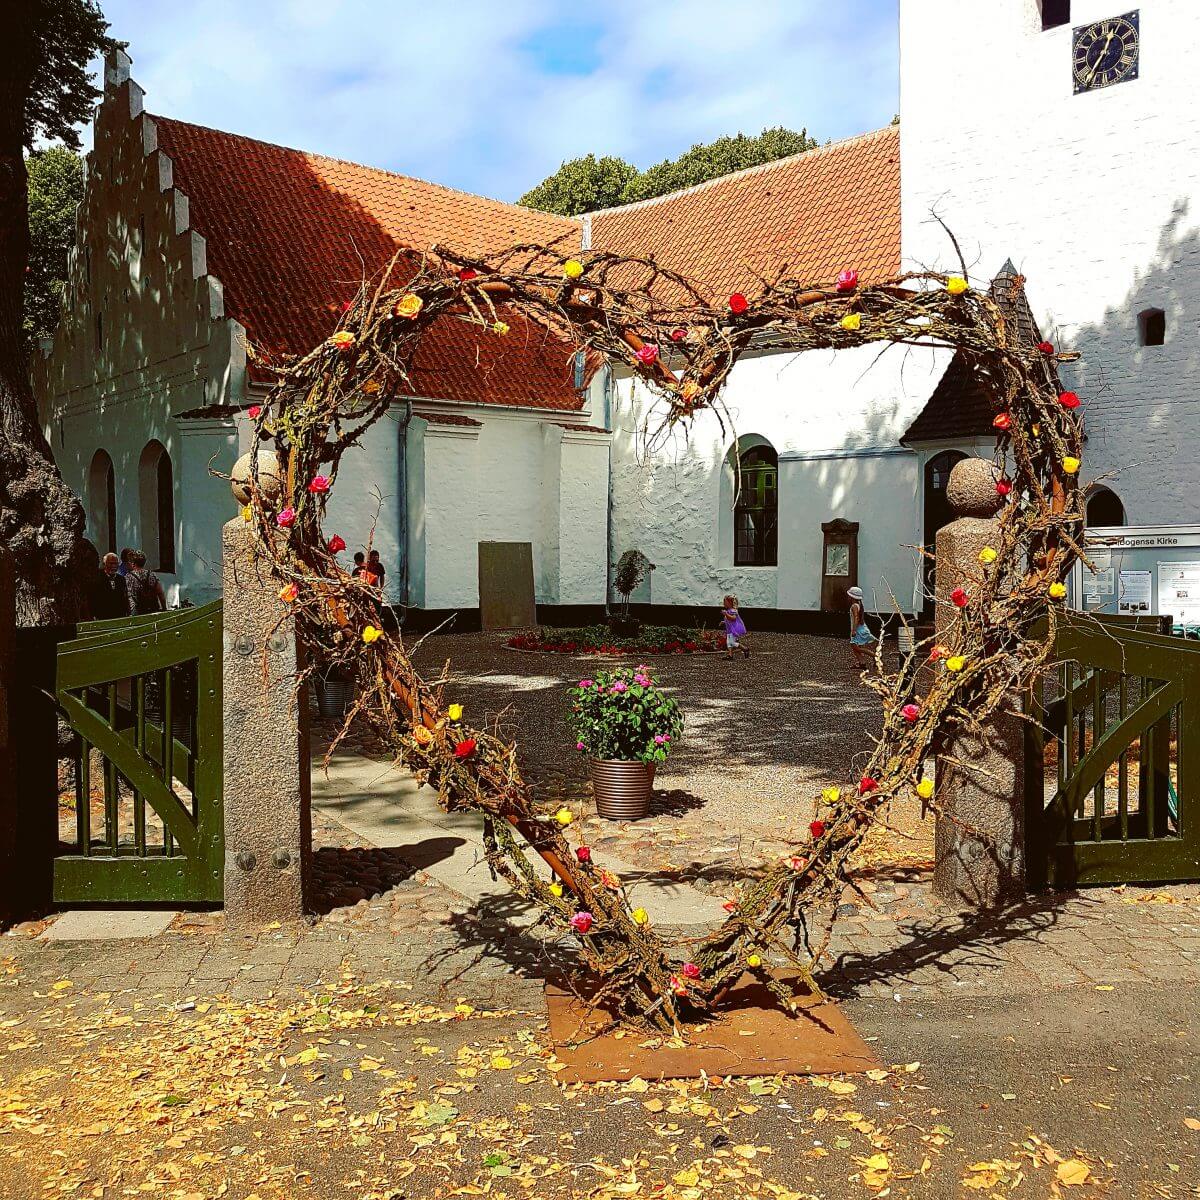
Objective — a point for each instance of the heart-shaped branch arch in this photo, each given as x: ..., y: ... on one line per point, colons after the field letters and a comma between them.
x: 683, y: 345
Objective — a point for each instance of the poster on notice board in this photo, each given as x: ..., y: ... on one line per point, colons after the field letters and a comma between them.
x: 1179, y: 591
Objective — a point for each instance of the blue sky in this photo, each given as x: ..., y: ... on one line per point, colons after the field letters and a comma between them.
x: 491, y: 97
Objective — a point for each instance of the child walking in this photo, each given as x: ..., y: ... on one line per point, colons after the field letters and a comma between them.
x: 735, y: 628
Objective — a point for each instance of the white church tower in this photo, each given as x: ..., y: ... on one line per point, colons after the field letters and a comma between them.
x: 1065, y: 135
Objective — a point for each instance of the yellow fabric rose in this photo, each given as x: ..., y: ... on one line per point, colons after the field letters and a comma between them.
x: 572, y: 268
x: 925, y: 789
x: 640, y: 916
x: 956, y: 285
x: 342, y: 340
x: 1070, y: 465
x: 371, y: 386
x: 1058, y: 591
x: 455, y: 712
x: 556, y: 889
x: 408, y: 306
x: 289, y: 593
x: 955, y: 663
x: 831, y: 795
x: 852, y: 321
x: 499, y: 328
x: 423, y: 735
x: 371, y: 634
x: 247, y: 513
x: 987, y: 555
x: 564, y: 816
x: 753, y: 960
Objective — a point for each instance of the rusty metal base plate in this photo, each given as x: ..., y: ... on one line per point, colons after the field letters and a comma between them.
x: 750, y: 1034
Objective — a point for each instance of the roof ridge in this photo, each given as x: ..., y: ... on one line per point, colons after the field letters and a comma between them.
x: 441, y: 187
x: 758, y: 167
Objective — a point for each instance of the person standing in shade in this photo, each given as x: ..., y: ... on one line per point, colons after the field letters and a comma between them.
x: 126, y: 563
x: 112, y: 597
x: 376, y: 568
x: 146, y: 593
x: 360, y: 564
x: 861, y: 637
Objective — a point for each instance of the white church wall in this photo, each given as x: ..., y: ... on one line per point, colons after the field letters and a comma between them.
x: 583, y: 518
x: 1093, y: 196
x: 835, y: 420
x: 881, y: 491
x: 142, y: 338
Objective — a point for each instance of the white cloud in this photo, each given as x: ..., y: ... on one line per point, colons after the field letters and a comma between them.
x: 492, y: 97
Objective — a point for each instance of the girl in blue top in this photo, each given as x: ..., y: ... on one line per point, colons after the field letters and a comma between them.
x: 860, y: 635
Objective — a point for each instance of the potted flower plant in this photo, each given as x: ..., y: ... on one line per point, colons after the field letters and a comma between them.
x: 626, y: 724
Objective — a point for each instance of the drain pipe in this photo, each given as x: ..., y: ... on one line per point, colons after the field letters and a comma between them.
x: 403, y: 473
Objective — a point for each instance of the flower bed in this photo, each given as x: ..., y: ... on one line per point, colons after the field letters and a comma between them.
x: 599, y: 639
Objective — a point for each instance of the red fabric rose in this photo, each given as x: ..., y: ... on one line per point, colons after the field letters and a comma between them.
x: 1002, y: 421
x: 867, y: 784
x: 583, y: 853
x: 1068, y: 399
x: 467, y: 274
x: 847, y: 280
x: 254, y: 412
x: 464, y: 749
x: 337, y: 544
x: 1046, y: 347
x: 690, y: 970
x: 1003, y: 487
x: 959, y: 598
x: 738, y: 303
x: 677, y: 335
x: 319, y: 484
x: 817, y: 828
x: 910, y: 712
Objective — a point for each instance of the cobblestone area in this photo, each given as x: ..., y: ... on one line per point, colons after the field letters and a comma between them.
x: 425, y: 938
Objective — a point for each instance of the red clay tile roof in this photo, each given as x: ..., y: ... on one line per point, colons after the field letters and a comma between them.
x: 582, y: 428
x: 290, y: 234
x: 812, y: 214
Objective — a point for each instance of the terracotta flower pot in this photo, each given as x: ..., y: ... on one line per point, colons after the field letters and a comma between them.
x: 622, y: 789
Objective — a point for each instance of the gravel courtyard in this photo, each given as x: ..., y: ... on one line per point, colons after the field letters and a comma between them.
x: 762, y: 737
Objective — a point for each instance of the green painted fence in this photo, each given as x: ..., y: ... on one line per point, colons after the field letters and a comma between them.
x: 143, y: 695
x: 1111, y: 758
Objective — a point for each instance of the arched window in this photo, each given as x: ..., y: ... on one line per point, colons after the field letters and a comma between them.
x: 156, y: 491
x: 937, y: 510
x: 756, y: 508
x: 102, y: 502
x: 1104, y: 508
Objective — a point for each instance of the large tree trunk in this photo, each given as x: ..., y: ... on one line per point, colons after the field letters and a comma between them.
x: 41, y: 521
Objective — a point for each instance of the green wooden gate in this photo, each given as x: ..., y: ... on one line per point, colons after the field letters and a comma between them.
x: 143, y: 694
x: 1111, y: 758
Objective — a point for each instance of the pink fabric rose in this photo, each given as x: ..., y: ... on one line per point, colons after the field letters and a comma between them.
x: 581, y: 922
x: 285, y: 518
x: 647, y: 355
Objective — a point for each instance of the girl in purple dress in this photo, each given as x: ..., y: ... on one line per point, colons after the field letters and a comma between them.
x: 735, y: 628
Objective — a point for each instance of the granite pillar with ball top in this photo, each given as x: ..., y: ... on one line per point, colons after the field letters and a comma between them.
x: 268, y: 830
x: 979, y: 835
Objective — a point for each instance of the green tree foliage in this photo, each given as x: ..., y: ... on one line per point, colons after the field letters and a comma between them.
x: 55, y: 189
x: 586, y: 184
x: 582, y: 185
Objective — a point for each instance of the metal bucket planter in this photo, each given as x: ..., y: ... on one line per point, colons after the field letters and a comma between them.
x: 334, y: 696
x: 622, y: 789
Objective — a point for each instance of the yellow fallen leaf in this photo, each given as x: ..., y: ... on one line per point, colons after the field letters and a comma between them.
x: 687, y: 1178
x: 842, y: 1087
x: 877, y: 1162
x: 501, y: 1062
x: 877, y: 1075
x: 1191, y: 1122
x: 62, y: 985
x: 1104, y: 987
x: 912, y: 1067
x: 654, y: 1105
x: 1072, y: 1173
x: 370, y: 1064
x: 309, y: 1054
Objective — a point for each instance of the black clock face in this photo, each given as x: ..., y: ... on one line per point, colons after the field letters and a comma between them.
x: 1105, y: 52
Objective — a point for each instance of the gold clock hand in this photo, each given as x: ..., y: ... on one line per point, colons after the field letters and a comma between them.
x: 1100, y: 57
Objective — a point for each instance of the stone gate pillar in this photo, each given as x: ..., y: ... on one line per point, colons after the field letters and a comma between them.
x: 979, y: 837
x: 268, y: 830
